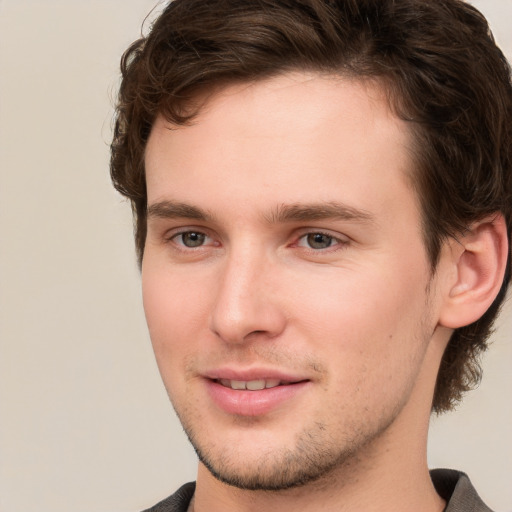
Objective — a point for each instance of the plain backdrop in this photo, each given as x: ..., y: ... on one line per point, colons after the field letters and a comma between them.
x: 85, y: 425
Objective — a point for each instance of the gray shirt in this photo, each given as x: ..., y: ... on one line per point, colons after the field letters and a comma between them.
x: 453, y: 486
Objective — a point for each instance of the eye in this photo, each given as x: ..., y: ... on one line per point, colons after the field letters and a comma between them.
x: 190, y: 239
x: 318, y: 241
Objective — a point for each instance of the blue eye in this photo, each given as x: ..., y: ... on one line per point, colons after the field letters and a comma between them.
x: 191, y: 238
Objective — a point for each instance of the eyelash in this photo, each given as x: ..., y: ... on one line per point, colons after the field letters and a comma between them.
x: 335, y: 243
x: 174, y: 236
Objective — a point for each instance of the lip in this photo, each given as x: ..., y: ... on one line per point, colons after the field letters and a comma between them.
x: 253, y: 374
x: 253, y: 403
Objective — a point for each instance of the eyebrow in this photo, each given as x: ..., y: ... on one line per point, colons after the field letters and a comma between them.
x: 295, y: 212
x: 173, y: 210
x: 332, y: 210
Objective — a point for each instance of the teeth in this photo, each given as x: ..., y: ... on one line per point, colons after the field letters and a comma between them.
x: 255, y: 385
x: 238, y: 384
x: 251, y: 385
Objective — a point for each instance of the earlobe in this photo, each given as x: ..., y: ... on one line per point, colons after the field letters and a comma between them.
x: 479, y: 268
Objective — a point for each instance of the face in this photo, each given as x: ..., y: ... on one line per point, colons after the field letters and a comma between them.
x: 285, y: 277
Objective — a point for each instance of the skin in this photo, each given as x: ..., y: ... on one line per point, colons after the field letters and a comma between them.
x: 246, y: 269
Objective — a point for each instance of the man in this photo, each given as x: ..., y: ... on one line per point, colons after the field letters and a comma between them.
x: 322, y: 194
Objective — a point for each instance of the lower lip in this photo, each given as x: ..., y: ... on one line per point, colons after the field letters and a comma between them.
x: 252, y: 403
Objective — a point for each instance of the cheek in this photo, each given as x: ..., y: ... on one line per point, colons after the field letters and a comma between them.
x: 373, y: 344
x: 174, y: 310
x: 367, y: 323
x: 352, y: 303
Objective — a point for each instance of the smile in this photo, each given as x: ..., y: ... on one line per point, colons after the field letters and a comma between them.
x: 251, y: 385
x: 254, y: 397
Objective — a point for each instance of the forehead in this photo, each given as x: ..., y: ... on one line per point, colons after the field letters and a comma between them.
x: 294, y: 137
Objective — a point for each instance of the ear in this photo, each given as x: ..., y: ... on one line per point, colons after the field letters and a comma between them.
x: 479, y: 264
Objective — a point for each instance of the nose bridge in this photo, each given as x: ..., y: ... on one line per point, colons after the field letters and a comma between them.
x: 244, y: 303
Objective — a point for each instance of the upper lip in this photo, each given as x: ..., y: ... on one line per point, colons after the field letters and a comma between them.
x: 251, y: 374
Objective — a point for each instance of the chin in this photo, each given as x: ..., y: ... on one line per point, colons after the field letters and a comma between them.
x: 274, y: 478
x: 312, y: 459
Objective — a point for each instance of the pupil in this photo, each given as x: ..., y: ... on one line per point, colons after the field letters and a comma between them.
x: 192, y: 239
x: 319, y: 241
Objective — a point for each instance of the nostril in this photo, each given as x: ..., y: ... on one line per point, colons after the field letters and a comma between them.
x: 256, y: 333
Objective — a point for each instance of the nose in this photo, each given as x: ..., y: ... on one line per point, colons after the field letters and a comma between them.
x: 247, y: 303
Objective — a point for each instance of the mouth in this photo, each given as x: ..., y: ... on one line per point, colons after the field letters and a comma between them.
x: 252, y: 385
x: 255, y: 395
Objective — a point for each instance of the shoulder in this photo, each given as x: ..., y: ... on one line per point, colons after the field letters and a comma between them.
x: 458, y: 492
x: 177, y: 502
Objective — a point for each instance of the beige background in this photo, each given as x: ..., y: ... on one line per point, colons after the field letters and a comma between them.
x: 85, y: 425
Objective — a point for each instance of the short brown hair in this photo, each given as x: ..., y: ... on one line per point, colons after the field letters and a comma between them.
x: 436, y: 59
